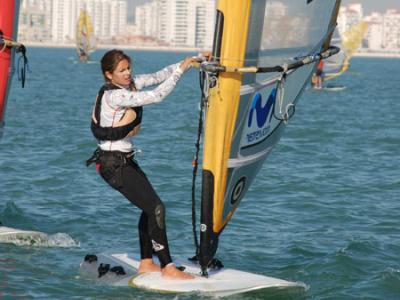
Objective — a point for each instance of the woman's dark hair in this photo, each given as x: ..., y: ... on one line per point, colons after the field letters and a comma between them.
x: 111, y: 59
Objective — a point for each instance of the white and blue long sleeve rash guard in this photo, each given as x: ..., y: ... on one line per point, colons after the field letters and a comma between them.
x: 115, y: 102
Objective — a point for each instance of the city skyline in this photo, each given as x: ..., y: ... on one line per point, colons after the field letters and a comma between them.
x: 369, y: 6
x: 176, y: 23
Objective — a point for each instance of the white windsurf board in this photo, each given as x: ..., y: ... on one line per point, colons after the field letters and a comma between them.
x: 222, y: 282
x: 328, y: 88
x: 334, y: 88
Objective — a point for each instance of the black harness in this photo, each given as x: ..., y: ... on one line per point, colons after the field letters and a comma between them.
x: 112, y: 133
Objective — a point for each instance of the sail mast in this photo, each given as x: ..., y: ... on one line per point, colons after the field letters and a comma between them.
x: 221, y: 112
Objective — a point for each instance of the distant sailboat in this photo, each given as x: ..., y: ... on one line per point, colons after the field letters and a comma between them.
x: 349, y: 42
x: 85, y: 39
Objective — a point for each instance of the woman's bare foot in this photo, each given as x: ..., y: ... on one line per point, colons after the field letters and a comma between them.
x: 147, y: 265
x: 171, y: 272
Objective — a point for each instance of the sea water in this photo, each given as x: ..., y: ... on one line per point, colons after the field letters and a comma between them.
x: 324, y: 209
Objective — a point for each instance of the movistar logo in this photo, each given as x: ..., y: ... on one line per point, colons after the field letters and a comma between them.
x: 262, y: 113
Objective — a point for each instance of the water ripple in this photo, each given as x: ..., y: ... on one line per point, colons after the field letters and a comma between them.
x: 323, y: 210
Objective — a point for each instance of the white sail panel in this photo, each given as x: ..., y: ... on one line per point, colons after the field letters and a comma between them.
x: 288, y: 30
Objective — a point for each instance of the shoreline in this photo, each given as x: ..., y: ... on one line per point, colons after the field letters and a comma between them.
x: 378, y: 54
x: 118, y: 46
x: 187, y: 49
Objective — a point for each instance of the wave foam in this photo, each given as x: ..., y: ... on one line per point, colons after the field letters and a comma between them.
x: 62, y: 240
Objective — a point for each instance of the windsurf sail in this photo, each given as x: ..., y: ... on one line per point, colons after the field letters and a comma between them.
x: 85, y: 39
x: 9, y: 12
x: 264, y: 55
x: 349, y: 42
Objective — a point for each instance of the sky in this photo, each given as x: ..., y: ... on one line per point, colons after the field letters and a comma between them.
x: 375, y: 5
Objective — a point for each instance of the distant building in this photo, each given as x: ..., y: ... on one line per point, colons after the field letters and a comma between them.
x: 205, y: 19
x: 64, y: 15
x: 375, y: 31
x: 109, y: 17
x: 384, y: 30
x: 35, y: 21
x: 55, y: 20
x: 391, y: 29
x: 187, y: 23
x: 348, y: 16
x: 146, y: 17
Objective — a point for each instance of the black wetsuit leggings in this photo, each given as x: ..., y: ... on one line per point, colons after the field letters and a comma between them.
x: 125, y: 175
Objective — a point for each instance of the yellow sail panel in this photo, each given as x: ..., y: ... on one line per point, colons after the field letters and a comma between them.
x: 351, y: 41
x: 85, y: 39
x: 353, y: 37
x: 224, y: 101
x: 84, y: 24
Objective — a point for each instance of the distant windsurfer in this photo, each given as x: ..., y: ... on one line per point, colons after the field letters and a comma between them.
x: 318, y: 77
x: 116, y: 118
